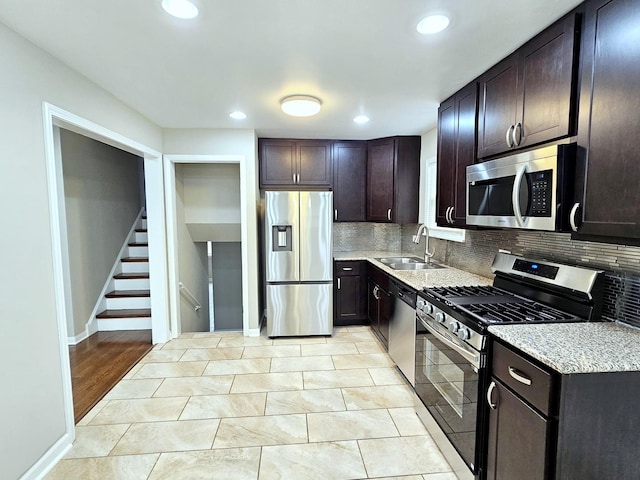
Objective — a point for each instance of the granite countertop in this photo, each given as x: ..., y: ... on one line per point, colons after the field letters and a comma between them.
x: 577, y: 347
x: 418, y: 279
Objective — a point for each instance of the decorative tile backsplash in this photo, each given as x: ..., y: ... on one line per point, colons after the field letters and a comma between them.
x: 621, y: 263
x: 366, y: 236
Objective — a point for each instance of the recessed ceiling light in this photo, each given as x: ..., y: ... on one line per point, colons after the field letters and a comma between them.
x: 183, y: 9
x: 237, y: 115
x: 433, y: 24
x: 361, y: 119
x: 300, y: 105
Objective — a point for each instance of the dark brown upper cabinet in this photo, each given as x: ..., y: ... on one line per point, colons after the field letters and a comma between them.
x: 608, y: 206
x: 456, y: 150
x: 295, y: 163
x: 530, y: 97
x: 350, y: 181
x: 393, y: 179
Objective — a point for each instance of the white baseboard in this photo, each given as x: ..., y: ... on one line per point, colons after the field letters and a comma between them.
x: 52, y: 456
x: 252, y: 332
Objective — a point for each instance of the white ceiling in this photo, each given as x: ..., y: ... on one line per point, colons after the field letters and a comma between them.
x: 358, y: 56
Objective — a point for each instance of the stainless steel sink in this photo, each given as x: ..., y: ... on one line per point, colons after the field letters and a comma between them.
x: 400, y: 260
x: 415, y: 266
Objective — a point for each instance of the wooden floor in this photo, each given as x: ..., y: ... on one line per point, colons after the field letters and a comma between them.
x: 100, y: 361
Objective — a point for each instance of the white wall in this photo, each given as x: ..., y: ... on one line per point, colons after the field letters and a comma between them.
x: 230, y: 142
x: 102, y: 200
x: 193, y: 267
x: 428, y: 149
x: 32, y: 393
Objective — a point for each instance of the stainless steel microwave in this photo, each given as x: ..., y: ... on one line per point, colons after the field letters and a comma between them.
x: 530, y: 190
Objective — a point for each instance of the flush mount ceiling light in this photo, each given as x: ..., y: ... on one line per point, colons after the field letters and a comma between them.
x: 361, y: 119
x: 433, y: 24
x: 300, y: 105
x: 238, y: 115
x: 183, y: 9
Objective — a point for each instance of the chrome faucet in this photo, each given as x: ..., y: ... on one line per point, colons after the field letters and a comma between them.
x: 416, y: 240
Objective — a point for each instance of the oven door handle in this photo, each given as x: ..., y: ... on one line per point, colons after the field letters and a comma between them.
x: 472, y: 358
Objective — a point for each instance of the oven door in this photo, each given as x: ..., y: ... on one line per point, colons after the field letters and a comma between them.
x: 449, y: 379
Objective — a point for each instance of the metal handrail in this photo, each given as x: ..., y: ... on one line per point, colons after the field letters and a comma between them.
x: 189, y: 295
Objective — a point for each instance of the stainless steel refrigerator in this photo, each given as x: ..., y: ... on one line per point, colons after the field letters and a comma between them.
x: 299, y: 263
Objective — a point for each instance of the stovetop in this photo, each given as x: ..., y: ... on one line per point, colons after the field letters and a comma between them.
x: 492, y: 305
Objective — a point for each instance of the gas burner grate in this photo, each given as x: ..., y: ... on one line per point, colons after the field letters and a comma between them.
x: 467, y: 291
x: 517, y: 313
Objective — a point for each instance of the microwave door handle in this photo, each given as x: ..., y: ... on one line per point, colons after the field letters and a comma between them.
x: 515, y: 195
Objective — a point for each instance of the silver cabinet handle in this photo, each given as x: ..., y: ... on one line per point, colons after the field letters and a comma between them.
x: 490, y: 390
x: 338, y: 283
x: 446, y: 215
x: 346, y: 269
x: 297, y: 178
x: 519, y: 376
x: 509, y: 135
x: 451, y: 215
x: 294, y: 178
x: 518, y: 139
x: 389, y: 214
x: 376, y: 293
x: 515, y: 195
x: 335, y: 214
x: 572, y: 217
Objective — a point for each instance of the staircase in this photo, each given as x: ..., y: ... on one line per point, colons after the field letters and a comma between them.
x: 127, y: 305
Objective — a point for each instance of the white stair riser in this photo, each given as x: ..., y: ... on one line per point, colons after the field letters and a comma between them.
x: 143, y: 223
x: 126, y: 303
x: 135, y: 267
x: 131, y: 284
x: 112, y: 324
x: 138, y: 252
x: 142, y: 237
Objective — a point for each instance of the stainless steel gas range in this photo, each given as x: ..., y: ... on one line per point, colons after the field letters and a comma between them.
x: 451, y: 337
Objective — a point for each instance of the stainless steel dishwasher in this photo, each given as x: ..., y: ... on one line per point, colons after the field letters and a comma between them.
x: 402, y: 329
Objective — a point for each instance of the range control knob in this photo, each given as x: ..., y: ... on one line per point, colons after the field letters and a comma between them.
x: 421, y: 304
x: 440, y: 317
x: 428, y: 308
x: 464, y: 333
x: 454, y: 326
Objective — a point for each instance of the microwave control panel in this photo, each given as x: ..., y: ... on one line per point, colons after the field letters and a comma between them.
x: 541, y: 184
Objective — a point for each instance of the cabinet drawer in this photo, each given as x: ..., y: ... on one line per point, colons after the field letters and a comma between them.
x: 531, y: 382
x: 349, y: 268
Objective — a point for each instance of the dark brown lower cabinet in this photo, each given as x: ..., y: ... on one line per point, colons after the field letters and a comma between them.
x: 379, y: 304
x: 519, y: 438
x: 350, y: 297
x: 544, y: 425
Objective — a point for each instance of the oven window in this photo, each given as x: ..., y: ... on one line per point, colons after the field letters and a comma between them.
x: 448, y: 386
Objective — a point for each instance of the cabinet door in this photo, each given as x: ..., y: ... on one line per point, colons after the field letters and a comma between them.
x: 467, y: 114
x: 314, y: 163
x: 373, y: 306
x: 278, y: 164
x: 349, y: 181
x: 386, y: 306
x: 446, y: 171
x: 610, y: 122
x: 349, y: 294
x: 547, y: 85
x: 498, y: 107
x: 518, y: 438
x: 380, y: 181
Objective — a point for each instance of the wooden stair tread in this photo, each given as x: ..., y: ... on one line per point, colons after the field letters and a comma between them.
x: 128, y: 293
x: 134, y: 259
x: 138, y: 244
x: 125, y: 313
x: 131, y: 276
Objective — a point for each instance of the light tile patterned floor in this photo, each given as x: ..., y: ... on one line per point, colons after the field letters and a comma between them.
x: 224, y: 406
